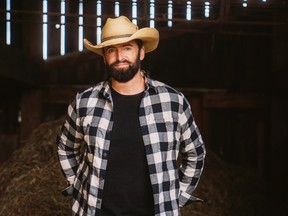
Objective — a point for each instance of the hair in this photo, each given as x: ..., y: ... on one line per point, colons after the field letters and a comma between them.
x: 139, y: 43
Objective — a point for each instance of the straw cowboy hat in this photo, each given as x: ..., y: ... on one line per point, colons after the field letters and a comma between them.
x: 121, y: 30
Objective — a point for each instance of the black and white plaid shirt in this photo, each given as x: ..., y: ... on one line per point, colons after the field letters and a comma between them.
x: 168, y: 128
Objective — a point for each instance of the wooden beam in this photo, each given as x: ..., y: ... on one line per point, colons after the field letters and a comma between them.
x: 16, y: 66
x: 223, y: 100
x: 31, y: 113
x: 62, y: 94
x: 72, y: 58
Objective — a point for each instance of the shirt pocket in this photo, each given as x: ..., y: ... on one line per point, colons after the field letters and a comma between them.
x: 94, y: 136
x: 163, y: 133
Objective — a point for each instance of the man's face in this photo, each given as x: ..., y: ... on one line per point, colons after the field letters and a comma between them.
x: 123, y: 61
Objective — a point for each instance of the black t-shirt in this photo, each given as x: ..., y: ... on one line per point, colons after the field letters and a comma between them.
x: 127, y: 189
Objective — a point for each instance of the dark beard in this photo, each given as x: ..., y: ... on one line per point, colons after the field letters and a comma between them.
x: 123, y: 75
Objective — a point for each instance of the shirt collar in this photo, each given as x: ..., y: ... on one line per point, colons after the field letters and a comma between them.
x: 149, y: 82
x: 105, y: 91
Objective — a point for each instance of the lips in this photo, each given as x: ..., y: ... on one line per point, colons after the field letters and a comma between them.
x: 121, y: 64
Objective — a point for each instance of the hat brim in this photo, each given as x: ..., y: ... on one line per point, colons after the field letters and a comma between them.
x: 149, y: 36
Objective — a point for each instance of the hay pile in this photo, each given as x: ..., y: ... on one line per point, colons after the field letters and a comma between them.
x: 31, y: 182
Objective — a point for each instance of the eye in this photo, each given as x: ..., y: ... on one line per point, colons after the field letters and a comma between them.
x: 110, y: 50
x: 128, y: 48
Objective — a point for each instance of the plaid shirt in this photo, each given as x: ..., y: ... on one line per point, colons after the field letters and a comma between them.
x: 168, y: 128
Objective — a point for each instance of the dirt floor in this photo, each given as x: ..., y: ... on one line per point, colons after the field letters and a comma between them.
x: 31, y: 181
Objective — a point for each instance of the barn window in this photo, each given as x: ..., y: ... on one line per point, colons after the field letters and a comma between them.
x: 134, y: 11
x: 63, y: 41
x: 8, y: 22
x: 152, y: 14
x: 80, y: 28
x: 117, y: 9
x: 207, y: 9
x: 99, y: 21
x: 45, y: 30
x: 188, y: 10
x: 244, y: 4
x: 170, y: 13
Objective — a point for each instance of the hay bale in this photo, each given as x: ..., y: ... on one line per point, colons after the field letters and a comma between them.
x: 31, y: 182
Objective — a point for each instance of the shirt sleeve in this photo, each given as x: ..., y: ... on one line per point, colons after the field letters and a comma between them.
x: 192, y: 152
x: 69, y: 143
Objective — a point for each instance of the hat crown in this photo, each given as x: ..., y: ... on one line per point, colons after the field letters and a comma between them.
x: 121, y: 30
x: 117, y: 28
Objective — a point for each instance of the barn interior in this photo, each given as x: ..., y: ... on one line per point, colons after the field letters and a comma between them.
x: 228, y: 57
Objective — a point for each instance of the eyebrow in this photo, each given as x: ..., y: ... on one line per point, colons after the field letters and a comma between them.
x: 123, y: 45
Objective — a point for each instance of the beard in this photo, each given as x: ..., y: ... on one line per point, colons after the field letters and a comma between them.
x: 123, y: 74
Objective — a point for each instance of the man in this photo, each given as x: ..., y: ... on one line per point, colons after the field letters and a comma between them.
x: 119, y: 145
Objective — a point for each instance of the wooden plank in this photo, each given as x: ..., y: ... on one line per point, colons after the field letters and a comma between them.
x: 197, y: 110
x: 72, y: 58
x: 62, y: 94
x: 31, y: 113
x: 232, y: 100
x: 16, y: 66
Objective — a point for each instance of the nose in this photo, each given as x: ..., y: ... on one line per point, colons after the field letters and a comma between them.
x: 119, y: 55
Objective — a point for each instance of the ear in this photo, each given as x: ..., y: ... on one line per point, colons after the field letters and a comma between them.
x: 142, y: 53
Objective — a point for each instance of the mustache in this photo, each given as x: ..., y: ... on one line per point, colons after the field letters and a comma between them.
x: 118, y: 62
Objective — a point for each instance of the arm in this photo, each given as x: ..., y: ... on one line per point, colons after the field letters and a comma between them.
x: 192, y: 152
x: 69, y: 144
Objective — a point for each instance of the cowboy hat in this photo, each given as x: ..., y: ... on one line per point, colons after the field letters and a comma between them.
x: 121, y: 30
